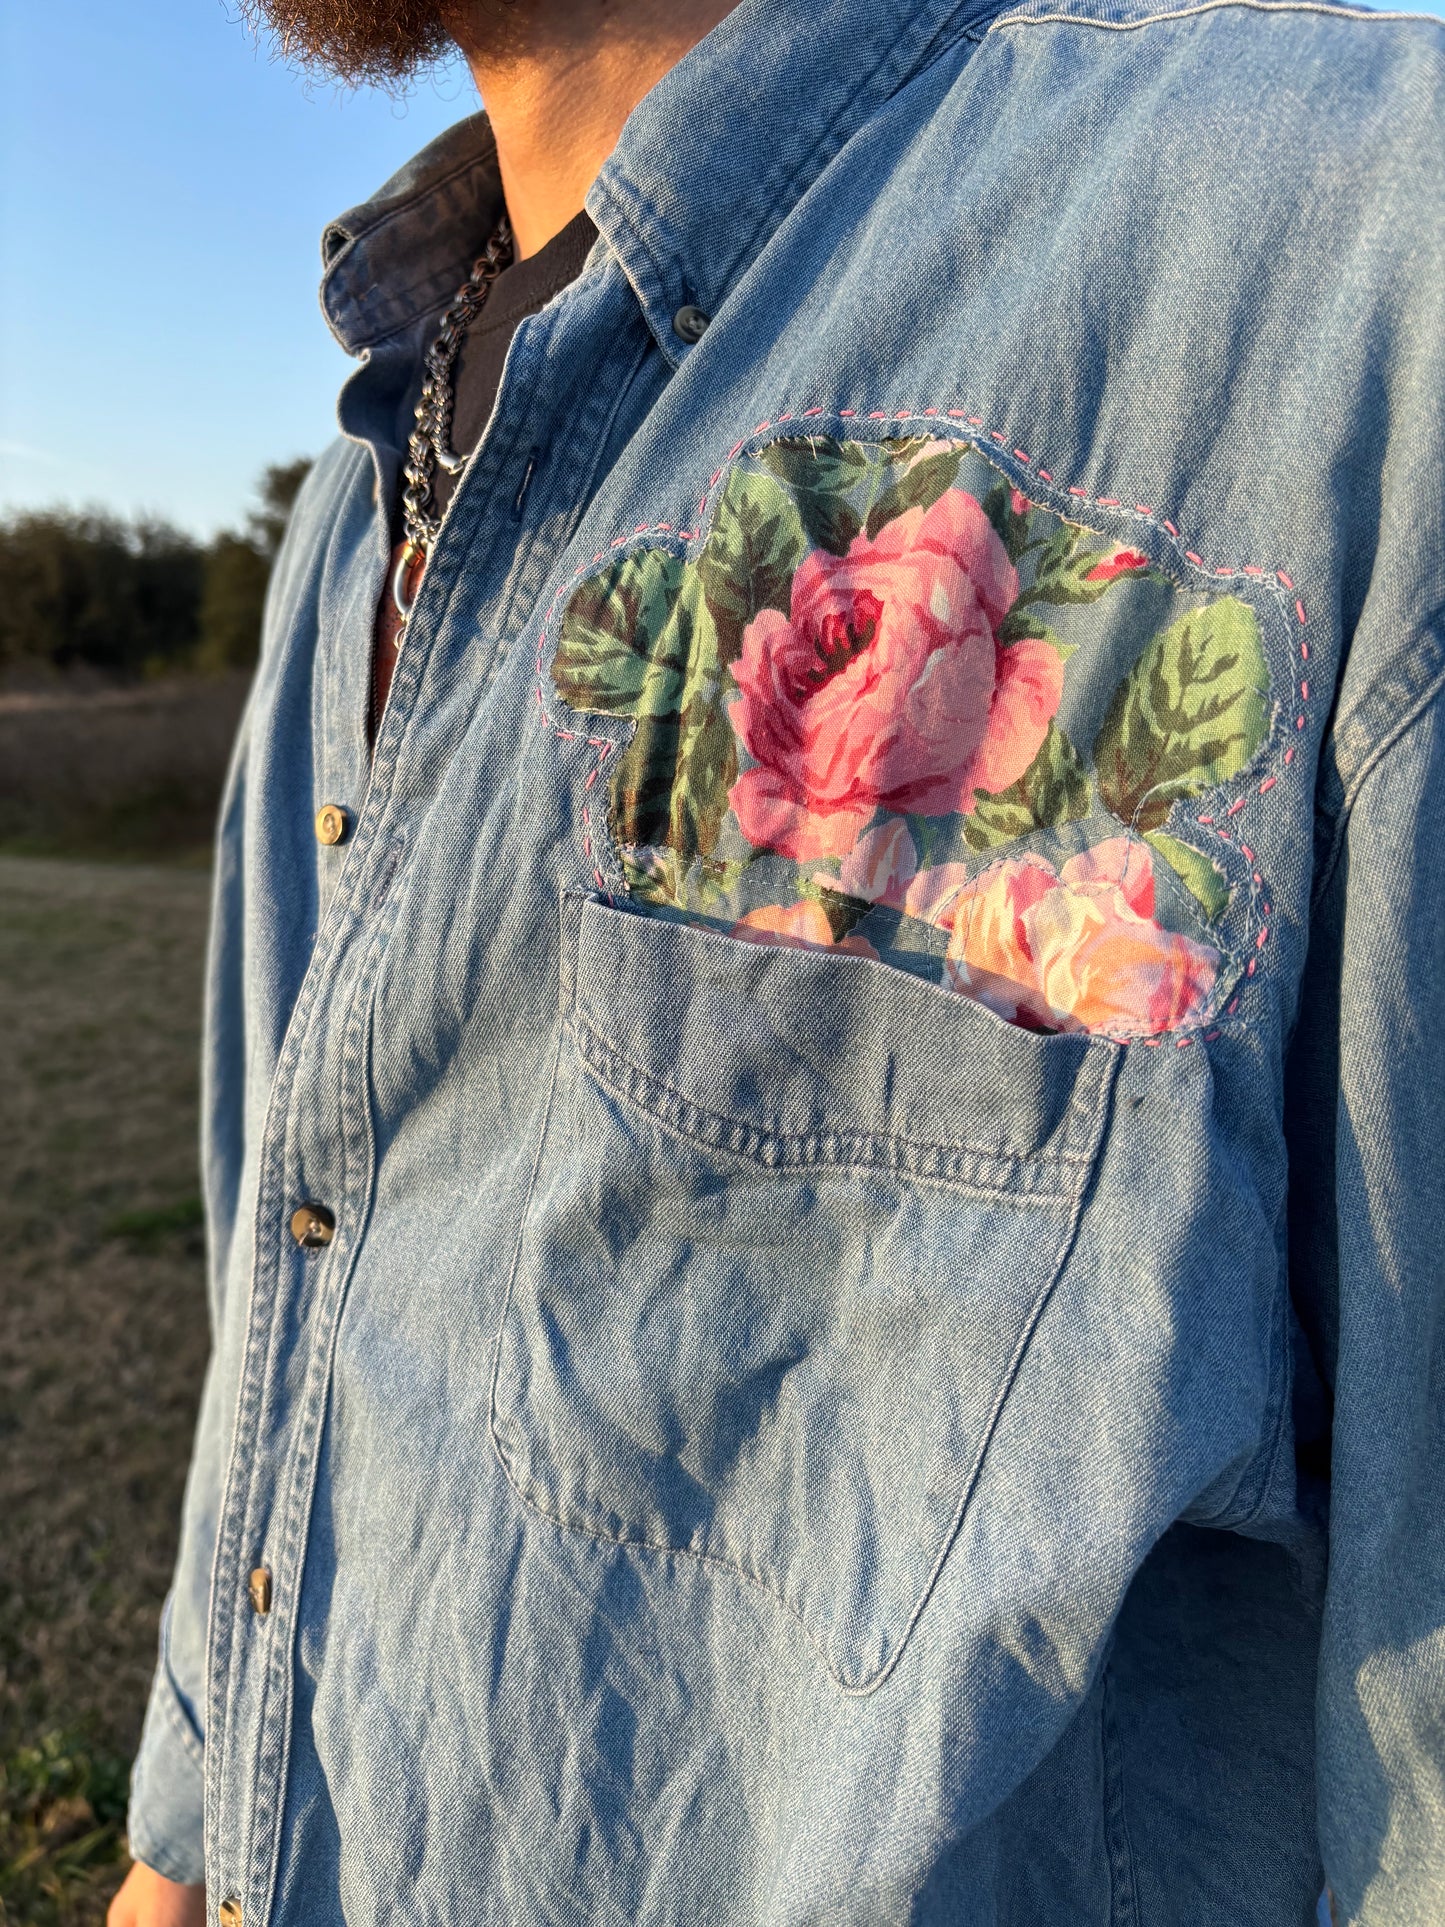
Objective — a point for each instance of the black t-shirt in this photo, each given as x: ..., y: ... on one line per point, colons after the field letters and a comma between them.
x: 518, y: 291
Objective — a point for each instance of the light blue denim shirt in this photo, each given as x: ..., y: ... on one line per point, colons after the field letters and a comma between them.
x: 874, y: 1042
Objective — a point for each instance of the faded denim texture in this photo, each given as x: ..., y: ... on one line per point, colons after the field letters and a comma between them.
x: 771, y: 1442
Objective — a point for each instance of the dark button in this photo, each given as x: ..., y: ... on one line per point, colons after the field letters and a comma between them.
x: 332, y: 823
x: 312, y: 1225
x: 230, y: 1914
x: 259, y: 1588
x: 690, y: 324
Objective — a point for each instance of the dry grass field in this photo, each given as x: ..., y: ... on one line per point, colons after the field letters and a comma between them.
x: 102, y: 1312
x: 120, y: 772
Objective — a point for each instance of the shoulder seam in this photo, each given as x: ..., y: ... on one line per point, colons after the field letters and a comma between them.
x: 1210, y: 6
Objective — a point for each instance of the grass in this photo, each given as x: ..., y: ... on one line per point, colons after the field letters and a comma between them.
x: 132, y: 773
x: 102, y: 1346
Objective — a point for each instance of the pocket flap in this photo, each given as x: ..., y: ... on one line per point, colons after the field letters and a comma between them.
x: 798, y: 1057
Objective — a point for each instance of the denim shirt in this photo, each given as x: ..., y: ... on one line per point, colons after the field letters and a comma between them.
x: 873, y: 1043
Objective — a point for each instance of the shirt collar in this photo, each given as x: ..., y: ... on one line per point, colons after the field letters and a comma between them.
x: 716, y: 156
x: 708, y: 165
x: 403, y: 254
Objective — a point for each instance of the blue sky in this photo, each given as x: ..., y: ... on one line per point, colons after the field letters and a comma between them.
x: 163, y: 186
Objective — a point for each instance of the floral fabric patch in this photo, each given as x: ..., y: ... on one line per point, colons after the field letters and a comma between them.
x: 893, y: 706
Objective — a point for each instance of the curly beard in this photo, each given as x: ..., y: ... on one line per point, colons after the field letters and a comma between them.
x: 378, y: 42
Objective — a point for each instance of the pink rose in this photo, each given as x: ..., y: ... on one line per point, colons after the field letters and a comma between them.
x: 797, y: 926
x: 1121, y: 562
x: 1073, y: 949
x: 886, y: 687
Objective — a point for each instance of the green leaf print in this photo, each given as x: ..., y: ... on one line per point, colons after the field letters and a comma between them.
x: 1062, y: 573
x: 819, y: 473
x: 1019, y: 624
x: 754, y: 545
x: 815, y: 462
x: 606, y: 653
x: 919, y: 487
x: 1190, y: 714
x: 1052, y: 790
x: 671, y: 783
x: 1012, y: 529
x: 1203, y: 879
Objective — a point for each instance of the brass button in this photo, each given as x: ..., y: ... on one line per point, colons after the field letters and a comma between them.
x: 259, y: 1588
x: 690, y: 324
x: 230, y: 1914
x: 312, y: 1225
x: 332, y: 823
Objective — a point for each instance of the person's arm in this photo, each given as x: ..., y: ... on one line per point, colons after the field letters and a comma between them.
x: 1369, y: 1236
x: 165, y: 1822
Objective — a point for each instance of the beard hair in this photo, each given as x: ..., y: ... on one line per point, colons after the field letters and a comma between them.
x: 382, y: 43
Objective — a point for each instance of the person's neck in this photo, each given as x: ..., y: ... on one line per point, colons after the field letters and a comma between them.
x: 560, y: 85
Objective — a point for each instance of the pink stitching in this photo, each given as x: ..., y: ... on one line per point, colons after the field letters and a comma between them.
x: 604, y: 746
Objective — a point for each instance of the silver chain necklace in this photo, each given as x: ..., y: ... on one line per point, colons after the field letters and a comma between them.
x: 429, y: 446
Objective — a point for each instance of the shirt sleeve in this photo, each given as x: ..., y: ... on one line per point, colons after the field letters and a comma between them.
x: 167, y: 1800
x: 1368, y: 1254
x: 166, y: 1815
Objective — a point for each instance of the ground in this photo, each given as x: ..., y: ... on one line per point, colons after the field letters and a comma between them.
x: 102, y: 1345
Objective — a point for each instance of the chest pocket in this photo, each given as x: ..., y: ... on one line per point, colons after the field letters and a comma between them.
x: 793, y: 1219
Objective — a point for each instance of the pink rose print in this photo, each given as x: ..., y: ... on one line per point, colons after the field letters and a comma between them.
x: 885, y: 686
x: 879, y: 867
x: 1073, y: 949
x: 1121, y: 562
x: 797, y: 926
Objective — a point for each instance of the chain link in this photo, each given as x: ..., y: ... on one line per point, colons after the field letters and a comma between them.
x: 429, y: 446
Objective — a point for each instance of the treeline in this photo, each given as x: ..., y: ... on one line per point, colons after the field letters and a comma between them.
x: 88, y: 591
